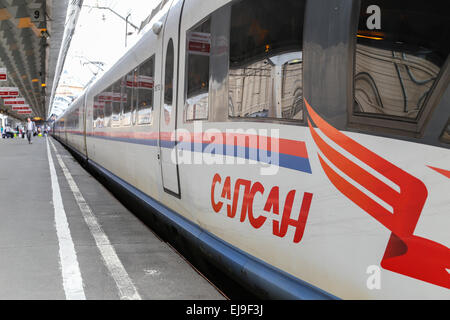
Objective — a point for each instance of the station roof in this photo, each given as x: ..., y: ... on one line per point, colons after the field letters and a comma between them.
x: 31, y: 33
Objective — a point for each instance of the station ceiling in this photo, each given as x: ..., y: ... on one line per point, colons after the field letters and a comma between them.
x: 31, y: 33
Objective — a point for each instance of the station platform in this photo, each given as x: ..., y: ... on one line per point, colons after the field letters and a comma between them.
x: 64, y: 236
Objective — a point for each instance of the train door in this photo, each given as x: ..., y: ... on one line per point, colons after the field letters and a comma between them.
x: 83, y: 124
x: 167, y: 136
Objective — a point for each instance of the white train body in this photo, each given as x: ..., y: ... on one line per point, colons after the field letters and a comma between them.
x: 316, y: 208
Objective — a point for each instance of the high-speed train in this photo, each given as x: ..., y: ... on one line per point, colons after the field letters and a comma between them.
x: 302, y: 147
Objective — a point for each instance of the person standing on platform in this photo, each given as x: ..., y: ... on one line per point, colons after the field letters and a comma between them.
x: 8, y: 132
x: 30, y: 127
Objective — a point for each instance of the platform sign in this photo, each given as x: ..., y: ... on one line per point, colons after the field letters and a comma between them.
x: 105, y: 97
x: 24, y: 112
x: 131, y: 81
x: 199, y: 43
x: 24, y: 107
x: 99, y: 105
x: 145, y: 82
x: 37, y: 12
x: 15, y: 101
x: 116, y: 97
x: 3, y: 74
x: 8, y: 92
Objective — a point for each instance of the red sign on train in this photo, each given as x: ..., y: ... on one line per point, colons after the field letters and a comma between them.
x: 230, y: 196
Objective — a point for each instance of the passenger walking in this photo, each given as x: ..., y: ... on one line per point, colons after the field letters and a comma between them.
x: 8, y: 132
x: 30, y: 127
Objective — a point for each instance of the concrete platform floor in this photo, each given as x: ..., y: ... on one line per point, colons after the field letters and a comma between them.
x: 101, y: 253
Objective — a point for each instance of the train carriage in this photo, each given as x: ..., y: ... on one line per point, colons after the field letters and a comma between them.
x: 302, y: 147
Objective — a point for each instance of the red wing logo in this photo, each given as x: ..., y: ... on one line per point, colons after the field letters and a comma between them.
x: 445, y: 173
x: 405, y: 253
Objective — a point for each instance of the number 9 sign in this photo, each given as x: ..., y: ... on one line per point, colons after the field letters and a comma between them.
x: 38, y: 15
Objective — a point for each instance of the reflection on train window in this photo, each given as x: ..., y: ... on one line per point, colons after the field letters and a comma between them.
x: 168, y: 82
x: 198, y: 46
x: 398, y: 64
x: 99, y: 111
x: 73, y: 119
x: 69, y: 122
x: 105, y: 104
x: 114, y: 97
x: 144, y: 88
x: 266, y: 60
x: 446, y: 134
x: 76, y: 118
x: 95, y: 112
x: 127, y: 97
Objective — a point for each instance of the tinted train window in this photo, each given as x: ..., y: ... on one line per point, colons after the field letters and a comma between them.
x: 198, y: 46
x: 144, y: 87
x: 105, y: 103
x: 76, y: 119
x: 95, y: 112
x: 99, y: 111
x: 114, y: 96
x: 168, y: 82
x: 401, y: 48
x: 266, y: 60
x: 446, y: 134
x: 128, y: 96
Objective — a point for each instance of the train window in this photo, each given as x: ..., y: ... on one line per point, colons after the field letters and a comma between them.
x: 99, y: 112
x: 69, y: 121
x: 266, y: 60
x: 128, y: 97
x: 76, y: 119
x: 445, y: 137
x: 168, y: 82
x: 144, y: 88
x: 95, y: 111
x: 114, y: 96
x: 105, y: 103
x: 197, y: 93
x: 401, y: 50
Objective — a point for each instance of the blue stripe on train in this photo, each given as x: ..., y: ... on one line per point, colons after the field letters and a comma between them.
x: 283, y: 160
x: 260, y: 155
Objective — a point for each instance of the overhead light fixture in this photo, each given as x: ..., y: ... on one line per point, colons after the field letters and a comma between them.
x: 45, y: 34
